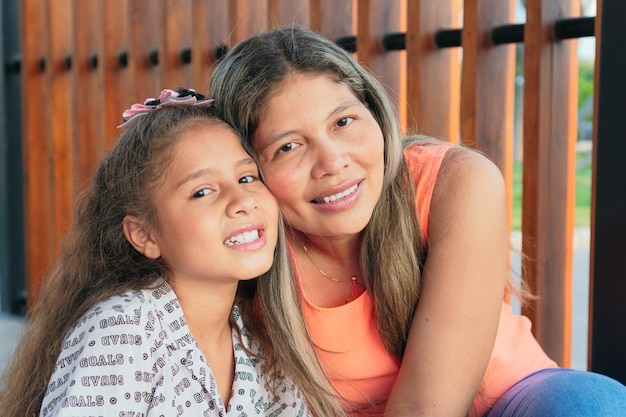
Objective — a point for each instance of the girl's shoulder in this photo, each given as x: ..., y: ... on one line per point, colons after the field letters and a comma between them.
x: 130, y: 308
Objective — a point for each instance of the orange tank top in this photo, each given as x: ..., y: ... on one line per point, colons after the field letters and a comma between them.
x: 355, y: 359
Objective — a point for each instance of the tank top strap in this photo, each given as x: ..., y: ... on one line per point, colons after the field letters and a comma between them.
x: 424, y: 162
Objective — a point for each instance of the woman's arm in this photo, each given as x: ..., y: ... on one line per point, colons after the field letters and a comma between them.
x: 464, y: 277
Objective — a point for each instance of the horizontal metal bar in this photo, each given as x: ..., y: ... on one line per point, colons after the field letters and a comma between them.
x: 14, y: 64
x: 122, y: 59
x: 348, y: 43
x: 220, y: 51
x: 394, y: 41
x: 504, y: 34
x: 93, y: 61
x: 153, y: 57
x: 185, y: 56
x: 448, y: 38
x: 578, y: 27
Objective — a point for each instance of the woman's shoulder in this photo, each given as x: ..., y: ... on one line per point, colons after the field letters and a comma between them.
x: 469, y: 186
x: 462, y: 167
x: 448, y: 161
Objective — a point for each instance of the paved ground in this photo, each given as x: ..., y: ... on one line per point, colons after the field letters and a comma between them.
x: 10, y: 327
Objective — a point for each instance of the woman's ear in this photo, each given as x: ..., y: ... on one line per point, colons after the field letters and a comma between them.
x: 140, y: 236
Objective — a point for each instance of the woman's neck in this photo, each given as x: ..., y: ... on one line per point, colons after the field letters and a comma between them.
x: 344, y: 250
x: 329, y: 269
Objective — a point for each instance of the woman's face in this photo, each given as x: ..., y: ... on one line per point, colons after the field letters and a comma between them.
x: 321, y: 153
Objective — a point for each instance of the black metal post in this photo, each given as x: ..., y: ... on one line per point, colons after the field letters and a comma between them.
x: 12, y: 269
x: 608, y: 251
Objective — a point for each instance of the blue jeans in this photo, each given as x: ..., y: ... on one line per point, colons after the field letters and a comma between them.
x: 562, y: 393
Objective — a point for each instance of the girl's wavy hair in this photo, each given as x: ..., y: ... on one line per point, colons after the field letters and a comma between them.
x: 392, y: 252
x: 97, y: 262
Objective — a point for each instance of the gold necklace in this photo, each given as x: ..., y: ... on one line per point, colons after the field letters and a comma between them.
x: 355, y: 290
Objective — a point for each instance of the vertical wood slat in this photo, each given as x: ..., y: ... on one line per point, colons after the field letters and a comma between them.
x: 549, y: 172
x: 210, y: 31
x: 487, y: 88
x: 176, y: 33
x: 433, y: 84
x: 336, y: 19
x: 118, y: 88
x: 38, y: 195
x: 147, y: 38
x: 375, y: 19
x: 63, y: 117
x: 607, y: 339
x: 247, y: 17
x: 90, y: 95
x: 289, y: 12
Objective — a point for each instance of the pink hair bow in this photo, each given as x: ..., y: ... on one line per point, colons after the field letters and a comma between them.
x: 181, y: 97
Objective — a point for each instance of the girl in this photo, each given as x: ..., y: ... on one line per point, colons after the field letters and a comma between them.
x: 152, y: 308
x: 400, y: 255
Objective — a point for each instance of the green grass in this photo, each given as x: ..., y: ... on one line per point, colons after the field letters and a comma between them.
x: 583, y: 196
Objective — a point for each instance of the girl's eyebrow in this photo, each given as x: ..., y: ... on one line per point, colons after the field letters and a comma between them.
x: 243, y: 162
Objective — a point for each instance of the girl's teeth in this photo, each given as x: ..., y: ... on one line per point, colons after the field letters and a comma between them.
x: 244, y: 237
x: 340, y: 195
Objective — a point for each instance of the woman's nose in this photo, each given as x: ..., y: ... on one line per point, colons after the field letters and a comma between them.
x: 331, y: 157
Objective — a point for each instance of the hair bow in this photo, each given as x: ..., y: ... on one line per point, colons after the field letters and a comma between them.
x: 181, y: 97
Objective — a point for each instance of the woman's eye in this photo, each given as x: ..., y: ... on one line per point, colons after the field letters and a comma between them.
x: 344, y: 121
x: 202, y: 193
x: 246, y: 179
x: 288, y: 147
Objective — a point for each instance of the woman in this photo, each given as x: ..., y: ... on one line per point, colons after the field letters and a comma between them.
x: 404, y: 306
x: 152, y: 308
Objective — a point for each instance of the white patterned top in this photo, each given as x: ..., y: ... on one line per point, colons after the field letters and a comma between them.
x: 134, y: 356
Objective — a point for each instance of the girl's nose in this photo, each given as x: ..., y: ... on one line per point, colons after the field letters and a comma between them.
x: 242, y: 202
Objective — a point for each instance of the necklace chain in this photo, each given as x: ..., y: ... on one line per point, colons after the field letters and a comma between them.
x: 356, y: 290
x: 306, y: 252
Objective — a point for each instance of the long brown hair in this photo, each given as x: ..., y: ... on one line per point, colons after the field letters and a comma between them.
x: 392, y: 251
x: 96, y: 262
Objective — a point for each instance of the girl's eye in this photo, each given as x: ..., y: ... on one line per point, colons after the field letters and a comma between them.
x: 288, y: 147
x: 202, y: 193
x: 344, y: 121
x: 247, y: 179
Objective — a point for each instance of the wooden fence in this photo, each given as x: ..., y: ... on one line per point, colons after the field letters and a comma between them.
x: 84, y: 62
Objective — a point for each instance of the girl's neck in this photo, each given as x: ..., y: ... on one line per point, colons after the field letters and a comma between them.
x: 207, y: 310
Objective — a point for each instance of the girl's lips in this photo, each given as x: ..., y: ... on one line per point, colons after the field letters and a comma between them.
x: 256, y: 241
x: 246, y: 235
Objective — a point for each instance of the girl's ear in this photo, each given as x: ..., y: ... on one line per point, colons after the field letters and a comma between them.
x: 140, y: 236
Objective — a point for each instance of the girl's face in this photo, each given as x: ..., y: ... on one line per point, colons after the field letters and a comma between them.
x: 322, y: 155
x: 215, y: 219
